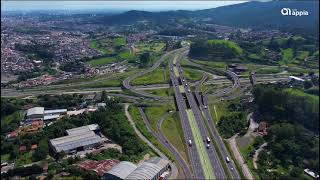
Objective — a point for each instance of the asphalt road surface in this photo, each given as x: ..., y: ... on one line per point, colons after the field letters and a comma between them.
x: 166, y: 143
x: 215, y: 162
x: 192, y: 150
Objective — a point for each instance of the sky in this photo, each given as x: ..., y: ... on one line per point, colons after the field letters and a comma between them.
x: 116, y: 5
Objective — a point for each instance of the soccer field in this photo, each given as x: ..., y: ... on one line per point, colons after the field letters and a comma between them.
x: 204, y: 158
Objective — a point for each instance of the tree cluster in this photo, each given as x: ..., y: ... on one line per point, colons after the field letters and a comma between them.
x: 277, y: 104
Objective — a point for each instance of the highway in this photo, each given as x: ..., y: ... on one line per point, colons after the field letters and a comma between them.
x: 203, y: 103
x: 213, y: 156
x: 194, y: 155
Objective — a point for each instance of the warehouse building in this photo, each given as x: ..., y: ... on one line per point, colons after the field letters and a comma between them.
x: 121, y: 170
x: 83, y: 129
x: 151, y: 169
x: 35, y: 113
x: 78, y: 139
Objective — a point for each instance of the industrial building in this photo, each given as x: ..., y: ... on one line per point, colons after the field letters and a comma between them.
x: 83, y: 129
x: 151, y: 169
x: 38, y: 113
x: 78, y: 139
x: 35, y: 113
x: 121, y: 170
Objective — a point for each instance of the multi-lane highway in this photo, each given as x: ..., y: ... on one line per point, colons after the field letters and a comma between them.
x: 204, y: 106
x: 215, y: 163
x: 194, y: 155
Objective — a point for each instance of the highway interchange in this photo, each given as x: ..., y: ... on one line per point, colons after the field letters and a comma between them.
x: 195, y: 117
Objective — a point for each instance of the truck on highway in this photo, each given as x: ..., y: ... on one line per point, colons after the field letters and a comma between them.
x: 190, y: 142
x: 208, y: 140
x: 227, y: 159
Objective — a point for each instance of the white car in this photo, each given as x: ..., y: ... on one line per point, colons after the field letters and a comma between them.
x: 205, y: 107
x: 208, y: 146
x: 208, y: 140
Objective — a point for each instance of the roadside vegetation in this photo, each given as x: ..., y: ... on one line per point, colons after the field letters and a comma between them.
x: 156, y: 111
x: 293, y: 143
x: 233, y: 120
x: 136, y: 116
x: 162, y: 92
x: 158, y: 76
x: 192, y: 74
x: 172, y: 130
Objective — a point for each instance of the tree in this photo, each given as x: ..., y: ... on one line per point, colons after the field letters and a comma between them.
x: 257, y: 142
x: 144, y: 59
x: 42, y: 151
x: 307, y: 84
x: 296, y: 172
x: 104, y: 96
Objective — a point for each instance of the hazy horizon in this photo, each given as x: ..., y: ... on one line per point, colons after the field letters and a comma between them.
x: 112, y: 5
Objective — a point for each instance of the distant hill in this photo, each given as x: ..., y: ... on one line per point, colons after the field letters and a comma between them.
x: 265, y: 14
x: 249, y: 14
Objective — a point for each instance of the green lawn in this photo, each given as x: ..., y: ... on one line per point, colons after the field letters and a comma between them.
x: 176, y: 72
x: 113, y: 81
x: 172, y: 129
x: 213, y: 64
x: 245, y: 152
x: 181, y: 89
x: 154, y: 47
x: 101, y: 61
x: 287, y: 55
x: 16, y: 116
x: 121, y: 41
x: 204, y: 158
x: 217, y: 110
x: 126, y: 55
x: 162, y: 92
x: 157, y: 76
x: 95, y: 45
x: 154, y: 113
x: 300, y: 93
x: 231, y: 44
x: 192, y: 74
x: 5, y: 157
x: 24, y: 159
x: 268, y: 70
x: 136, y: 116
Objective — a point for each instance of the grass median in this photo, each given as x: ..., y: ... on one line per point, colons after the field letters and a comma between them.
x: 204, y: 158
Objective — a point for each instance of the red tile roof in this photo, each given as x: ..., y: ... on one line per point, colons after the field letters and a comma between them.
x: 34, y: 146
x: 100, y: 167
x: 23, y: 148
